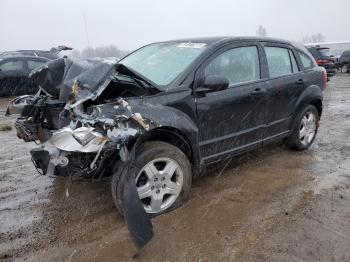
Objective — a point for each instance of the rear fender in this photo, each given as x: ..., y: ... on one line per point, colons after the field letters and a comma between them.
x: 310, y: 95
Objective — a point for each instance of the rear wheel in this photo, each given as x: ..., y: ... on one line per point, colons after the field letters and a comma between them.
x: 163, y: 178
x: 304, y: 129
x: 344, y: 68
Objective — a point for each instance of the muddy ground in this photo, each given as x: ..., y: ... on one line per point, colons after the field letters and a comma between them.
x: 274, y: 205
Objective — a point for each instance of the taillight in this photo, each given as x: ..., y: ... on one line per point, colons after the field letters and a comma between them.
x: 321, y: 61
x: 325, y: 77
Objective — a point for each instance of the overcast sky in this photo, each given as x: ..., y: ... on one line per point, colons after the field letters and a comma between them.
x: 41, y: 24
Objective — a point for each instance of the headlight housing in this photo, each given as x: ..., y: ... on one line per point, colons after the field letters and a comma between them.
x: 84, y: 135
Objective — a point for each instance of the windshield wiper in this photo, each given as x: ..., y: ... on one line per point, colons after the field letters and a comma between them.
x: 140, y: 79
x: 133, y: 79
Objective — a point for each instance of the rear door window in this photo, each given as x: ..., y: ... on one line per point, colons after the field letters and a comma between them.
x: 32, y: 64
x: 238, y: 65
x: 278, y: 61
x: 306, y: 61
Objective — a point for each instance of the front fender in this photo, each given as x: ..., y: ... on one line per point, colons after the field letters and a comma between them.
x: 168, y: 117
x: 165, y: 116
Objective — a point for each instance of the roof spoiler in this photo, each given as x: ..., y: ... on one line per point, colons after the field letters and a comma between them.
x: 60, y: 48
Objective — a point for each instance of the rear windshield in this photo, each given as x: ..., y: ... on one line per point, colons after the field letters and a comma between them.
x: 346, y: 53
x: 324, y: 51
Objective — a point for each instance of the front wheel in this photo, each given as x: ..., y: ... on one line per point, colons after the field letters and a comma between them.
x: 163, y: 178
x: 304, y: 129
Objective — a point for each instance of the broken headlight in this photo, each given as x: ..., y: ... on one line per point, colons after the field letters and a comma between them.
x: 84, y: 135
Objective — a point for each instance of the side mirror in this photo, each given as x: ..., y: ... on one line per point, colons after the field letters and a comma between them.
x: 216, y: 83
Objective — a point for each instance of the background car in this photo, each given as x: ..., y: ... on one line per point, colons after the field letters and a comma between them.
x: 14, y: 74
x: 344, y: 62
x: 323, y: 58
x: 49, y: 54
x: 15, y: 67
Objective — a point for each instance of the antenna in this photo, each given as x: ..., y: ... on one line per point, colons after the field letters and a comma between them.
x: 86, y: 29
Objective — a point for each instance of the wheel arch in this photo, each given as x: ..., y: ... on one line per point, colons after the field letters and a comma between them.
x: 317, y: 102
x: 312, y: 95
x: 170, y: 125
x: 174, y: 137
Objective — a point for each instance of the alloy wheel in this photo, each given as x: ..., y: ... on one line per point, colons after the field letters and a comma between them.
x: 159, y: 184
x: 345, y: 68
x: 308, y: 128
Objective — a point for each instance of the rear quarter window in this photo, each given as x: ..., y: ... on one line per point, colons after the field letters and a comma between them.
x: 306, y: 61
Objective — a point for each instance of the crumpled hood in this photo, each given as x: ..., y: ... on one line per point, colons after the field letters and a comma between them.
x: 76, y: 81
x: 58, y: 76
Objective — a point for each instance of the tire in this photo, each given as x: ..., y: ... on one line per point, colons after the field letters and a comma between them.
x: 159, y: 155
x: 303, y: 125
x: 344, y: 68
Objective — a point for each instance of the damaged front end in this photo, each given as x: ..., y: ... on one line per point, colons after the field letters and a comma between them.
x: 91, y: 145
x: 84, y: 127
x: 79, y: 112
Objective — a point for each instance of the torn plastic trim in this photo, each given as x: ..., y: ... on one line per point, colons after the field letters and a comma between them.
x: 47, y: 158
x: 115, y: 118
x: 138, y: 221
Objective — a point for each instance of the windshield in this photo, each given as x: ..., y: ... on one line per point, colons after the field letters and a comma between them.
x: 163, y: 62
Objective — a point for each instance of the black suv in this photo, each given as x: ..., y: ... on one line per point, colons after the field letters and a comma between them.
x: 49, y: 54
x: 344, y: 62
x: 14, y: 75
x: 166, y: 111
x: 323, y: 58
x: 15, y: 67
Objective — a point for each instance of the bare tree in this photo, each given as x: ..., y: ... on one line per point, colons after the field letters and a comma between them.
x: 100, y: 51
x: 315, y: 38
x: 261, y: 31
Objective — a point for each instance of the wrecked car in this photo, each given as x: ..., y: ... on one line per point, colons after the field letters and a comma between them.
x: 161, y: 115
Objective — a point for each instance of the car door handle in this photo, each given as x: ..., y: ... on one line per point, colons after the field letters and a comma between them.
x: 258, y: 92
x: 300, y: 82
